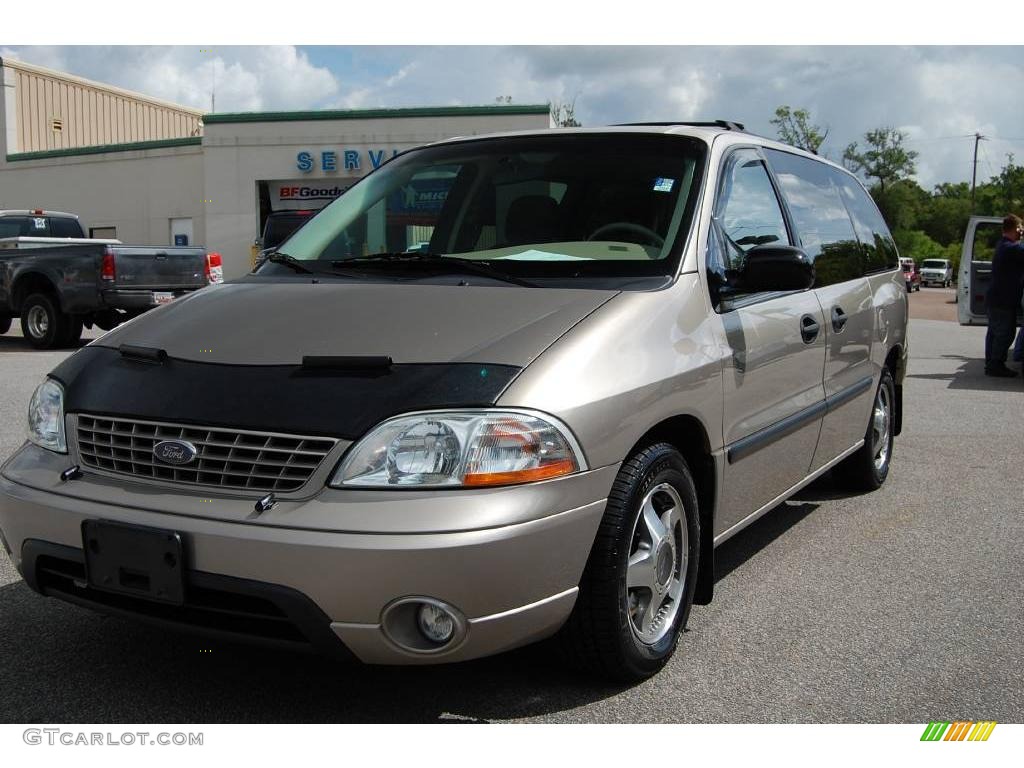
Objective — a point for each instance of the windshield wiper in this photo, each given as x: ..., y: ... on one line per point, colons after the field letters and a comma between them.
x: 453, y: 264
x: 277, y: 257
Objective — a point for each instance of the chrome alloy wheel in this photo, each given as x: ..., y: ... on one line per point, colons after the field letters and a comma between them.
x: 881, y: 424
x: 657, y: 566
x: 38, y: 321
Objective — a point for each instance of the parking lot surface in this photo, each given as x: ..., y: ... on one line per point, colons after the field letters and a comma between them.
x: 905, y: 605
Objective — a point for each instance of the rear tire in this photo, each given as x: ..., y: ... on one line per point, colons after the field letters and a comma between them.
x: 637, y: 588
x: 5, y: 325
x: 42, y: 322
x: 868, y: 468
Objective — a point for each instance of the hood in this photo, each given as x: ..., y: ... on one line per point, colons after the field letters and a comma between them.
x: 277, y: 323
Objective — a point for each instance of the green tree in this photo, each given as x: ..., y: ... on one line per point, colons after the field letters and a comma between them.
x: 1010, y: 184
x: 885, y: 159
x: 902, y: 203
x: 794, y: 127
x: 944, y: 218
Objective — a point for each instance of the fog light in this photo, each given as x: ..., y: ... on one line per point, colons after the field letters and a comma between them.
x: 422, y: 624
x: 436, y: 624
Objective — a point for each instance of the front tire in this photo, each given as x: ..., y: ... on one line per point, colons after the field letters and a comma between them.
x: 42, y: 322
x: 637, y: 588
x: 868, y: 468
x: 5, y: 325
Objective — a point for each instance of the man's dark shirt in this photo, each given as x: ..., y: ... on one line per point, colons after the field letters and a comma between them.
x: 1004, y: 292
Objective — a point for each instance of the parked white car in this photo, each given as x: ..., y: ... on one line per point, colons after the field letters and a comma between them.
x: 937, y: 272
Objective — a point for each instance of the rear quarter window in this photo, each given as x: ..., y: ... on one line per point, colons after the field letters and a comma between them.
x: 880, y: 254
x: 823, y: 223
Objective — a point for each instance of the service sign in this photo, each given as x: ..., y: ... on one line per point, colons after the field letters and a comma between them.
x: 350, y: 161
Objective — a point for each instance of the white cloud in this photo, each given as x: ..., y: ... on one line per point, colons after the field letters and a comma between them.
x: 937, y: 94
x: 246, y: 78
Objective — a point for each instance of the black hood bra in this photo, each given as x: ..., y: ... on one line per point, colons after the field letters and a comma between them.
x: 337, y: 401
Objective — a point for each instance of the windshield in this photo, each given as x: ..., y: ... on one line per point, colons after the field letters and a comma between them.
x: 606, y: 205
x: 933, y: 264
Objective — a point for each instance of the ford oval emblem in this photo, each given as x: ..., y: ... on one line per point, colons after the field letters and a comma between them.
x: 175, y: 452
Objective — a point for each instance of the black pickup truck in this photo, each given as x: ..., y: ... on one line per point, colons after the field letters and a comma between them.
x: 57, y: 285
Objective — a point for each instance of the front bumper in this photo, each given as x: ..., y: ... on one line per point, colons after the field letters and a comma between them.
x: 514, y: 583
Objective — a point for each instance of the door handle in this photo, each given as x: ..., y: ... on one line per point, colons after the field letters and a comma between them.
x: 839, y: 319
x: 809, y: 328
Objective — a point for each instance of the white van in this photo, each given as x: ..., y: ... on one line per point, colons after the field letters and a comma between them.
x: 937, y: 272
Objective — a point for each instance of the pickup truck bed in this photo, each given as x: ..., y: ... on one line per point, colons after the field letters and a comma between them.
x: 57, y: 287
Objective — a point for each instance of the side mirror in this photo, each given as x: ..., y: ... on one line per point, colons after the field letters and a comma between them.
x: 775, y: 268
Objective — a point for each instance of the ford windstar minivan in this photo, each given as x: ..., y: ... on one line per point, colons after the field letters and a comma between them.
x: 620, y: 347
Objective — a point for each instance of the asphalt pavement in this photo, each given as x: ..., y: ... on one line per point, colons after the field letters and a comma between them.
x: 903, y: 605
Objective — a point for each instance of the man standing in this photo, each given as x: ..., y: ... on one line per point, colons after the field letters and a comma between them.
x: 1004, y: 296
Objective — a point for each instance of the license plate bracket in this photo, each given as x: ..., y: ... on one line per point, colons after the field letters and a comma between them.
x: 134, y: 560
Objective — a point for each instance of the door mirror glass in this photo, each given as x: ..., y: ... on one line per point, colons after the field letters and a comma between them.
x: 775, y: 268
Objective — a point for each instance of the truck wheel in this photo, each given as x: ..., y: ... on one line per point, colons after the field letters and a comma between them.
x: 42, y: 322
x: 867, y: 469
x: 5, y: 325
x: 638, y: 585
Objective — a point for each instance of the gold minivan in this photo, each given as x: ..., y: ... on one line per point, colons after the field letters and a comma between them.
x: 618, y: 349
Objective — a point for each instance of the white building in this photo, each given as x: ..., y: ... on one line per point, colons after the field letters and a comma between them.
x: 152, y: 173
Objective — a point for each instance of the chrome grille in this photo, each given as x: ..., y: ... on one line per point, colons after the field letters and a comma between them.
x: 250, y: 461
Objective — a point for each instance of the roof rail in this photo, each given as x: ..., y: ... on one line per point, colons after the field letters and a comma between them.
x: 729, y: 125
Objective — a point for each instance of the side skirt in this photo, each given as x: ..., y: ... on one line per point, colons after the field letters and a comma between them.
x: 729, y: 533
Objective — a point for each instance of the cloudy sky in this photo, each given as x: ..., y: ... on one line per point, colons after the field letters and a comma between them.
x: 938, y: 95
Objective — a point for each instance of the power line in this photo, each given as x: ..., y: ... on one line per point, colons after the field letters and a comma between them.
x: 940, y: 138
x: 987, y: 162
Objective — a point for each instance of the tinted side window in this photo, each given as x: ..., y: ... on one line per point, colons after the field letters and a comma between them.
x: 65, y: 228
x: 747, y: 213
x: 822, y: 221
x: 879, y: 249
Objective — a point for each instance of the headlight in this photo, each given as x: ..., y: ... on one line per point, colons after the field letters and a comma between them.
x: 463, y: 448
x: 46, y: 417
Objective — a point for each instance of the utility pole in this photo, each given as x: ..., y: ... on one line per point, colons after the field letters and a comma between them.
x: 974, y: 176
